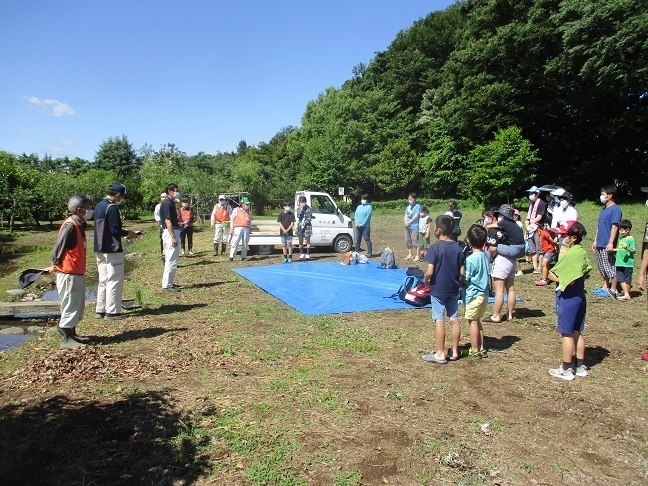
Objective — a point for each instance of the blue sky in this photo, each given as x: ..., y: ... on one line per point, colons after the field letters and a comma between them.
x: 201, y: 74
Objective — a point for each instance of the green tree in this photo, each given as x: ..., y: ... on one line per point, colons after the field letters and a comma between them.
x: 501, y: 168
x: 117, y: 155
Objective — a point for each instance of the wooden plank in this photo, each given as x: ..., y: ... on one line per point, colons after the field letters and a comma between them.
x: 50, y: 307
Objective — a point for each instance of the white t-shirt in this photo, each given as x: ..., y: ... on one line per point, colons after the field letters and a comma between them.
x: 156, y: 213
x: 561, y: 216
x: 424, y: 224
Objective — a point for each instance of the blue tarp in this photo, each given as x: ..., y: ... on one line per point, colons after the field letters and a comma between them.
x: 328, y: 287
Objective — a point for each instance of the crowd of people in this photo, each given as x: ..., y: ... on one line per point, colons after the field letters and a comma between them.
x: 486, y: 261
x: 551, y: 240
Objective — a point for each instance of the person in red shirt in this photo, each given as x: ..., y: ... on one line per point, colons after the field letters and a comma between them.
x: 548, y: 246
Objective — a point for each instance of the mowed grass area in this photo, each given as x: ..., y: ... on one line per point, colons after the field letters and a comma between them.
x: 223, y: 384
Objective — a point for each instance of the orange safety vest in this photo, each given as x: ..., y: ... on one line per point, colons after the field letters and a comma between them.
x: 74, y: 260
x: 221, y: 214
x: 184, y: 216
x: 242, y: 218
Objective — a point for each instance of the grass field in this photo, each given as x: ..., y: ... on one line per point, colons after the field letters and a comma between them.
x: 222, y: 384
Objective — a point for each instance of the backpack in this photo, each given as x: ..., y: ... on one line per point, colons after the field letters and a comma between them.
x: 418, y: 296
x: 387, y: 259
x: 413, y: 291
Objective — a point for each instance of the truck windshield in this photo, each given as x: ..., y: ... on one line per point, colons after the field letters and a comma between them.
x: 322, y: 204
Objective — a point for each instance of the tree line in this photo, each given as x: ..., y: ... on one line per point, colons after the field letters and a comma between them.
x: 475, y: 102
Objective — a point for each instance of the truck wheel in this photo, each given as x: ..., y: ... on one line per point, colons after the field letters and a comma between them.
x: 263, y: 249
x: 342, y: 244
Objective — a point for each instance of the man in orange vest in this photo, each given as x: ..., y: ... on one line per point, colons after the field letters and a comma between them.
x: 241, y: 221
x: 220, y: 222
x: 69, y: 260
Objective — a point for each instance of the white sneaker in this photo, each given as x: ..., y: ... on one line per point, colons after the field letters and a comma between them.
x: 181, y: 252
x: 302, y: 256
x: 307, y: 256
x: 415, y: 259
x: 559, y: 372
x: 408, y: 257
x: 191, y: 253
x: 537, y: 270
x: 519, y: 273
x: 582, y: 371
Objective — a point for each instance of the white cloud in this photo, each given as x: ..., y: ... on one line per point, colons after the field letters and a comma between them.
x: 53, y: 107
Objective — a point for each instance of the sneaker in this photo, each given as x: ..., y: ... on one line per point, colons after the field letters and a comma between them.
x: 541, y: 283
x: 474, y: 354
x: 415, y: 259
x: 181, y: 252
x: 170, y: 289
x: 519, y: 273
x: 302, y: 256
x: 611, y: 293
x: 190, y: 253
x: 307, y: 256
x: 559, y: 372
x: 231, y: 259
x: 581, y: 371
x: 484, y: 353
x: 285, y: 260
x: 100, y: 315
x: 112, y: 317
x: 290, y: 260
x: 537, y: 270
x: 408, y: 257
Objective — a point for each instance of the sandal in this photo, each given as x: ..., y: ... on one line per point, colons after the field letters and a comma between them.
x: 450, y: 356
x: 490, y: 319
x: 431, y: 358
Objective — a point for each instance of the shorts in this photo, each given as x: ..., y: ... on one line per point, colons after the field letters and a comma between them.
x: 423, y: 242
x: 624, y: 274
x: 570, y: 309
x: 504, y: 267
x: 476, y: 308
x: 286, y: 239
x: 305, y: 232
x: 448, y: 305
x: 548, y: 255
x: 411, y: 238
x: 534, y: 243
x: 605, y: 261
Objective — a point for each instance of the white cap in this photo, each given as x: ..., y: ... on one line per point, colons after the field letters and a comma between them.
x: 558, y: 192
x: 222, y: 196
x: 163, y: 195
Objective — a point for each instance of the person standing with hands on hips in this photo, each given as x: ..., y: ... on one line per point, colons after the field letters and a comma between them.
x: 362, y: 220
x: 170, y: 237
x: 241, y: 222
x: 108, y: 233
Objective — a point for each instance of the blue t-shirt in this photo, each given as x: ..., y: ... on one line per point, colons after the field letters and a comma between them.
x: 609, y: 216
x: 447, y: 258
x: 476, y: 275
x: 411, y: 212
x: 363, y: 215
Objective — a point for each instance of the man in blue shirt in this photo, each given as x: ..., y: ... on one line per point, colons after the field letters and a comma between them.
x: 363, y: 224
x: 605, y: 240
x: 108, y: 233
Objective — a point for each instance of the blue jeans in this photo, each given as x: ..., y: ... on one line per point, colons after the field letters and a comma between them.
x: 359, y: 233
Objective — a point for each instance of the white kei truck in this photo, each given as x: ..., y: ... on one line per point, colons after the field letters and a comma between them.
x: 330, y: 226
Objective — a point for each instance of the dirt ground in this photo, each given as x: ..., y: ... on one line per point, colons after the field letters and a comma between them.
x: 222, y: 384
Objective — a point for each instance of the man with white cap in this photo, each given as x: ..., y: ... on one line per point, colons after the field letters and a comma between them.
x: 108, y: 233
x: 535, y: 219
x: 220, y: 223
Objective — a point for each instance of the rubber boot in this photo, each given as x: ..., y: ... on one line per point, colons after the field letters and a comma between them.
x: 215, y: 249
x: 80, y: 339
x: 223, y: 245
x: 67, y: 341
